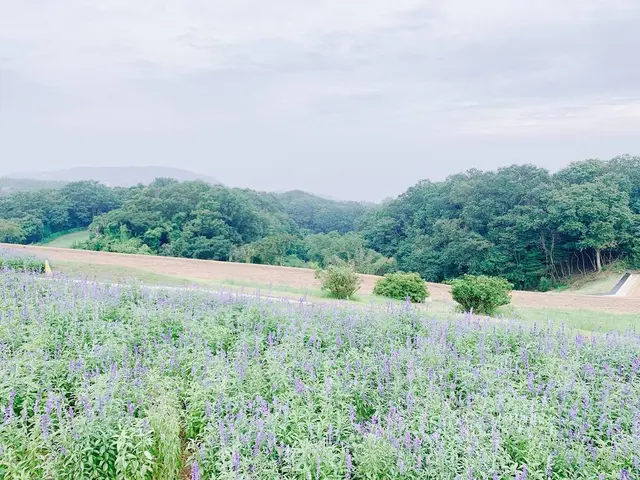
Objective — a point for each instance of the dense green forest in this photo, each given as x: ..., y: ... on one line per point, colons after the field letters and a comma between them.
x: 197, y: 220
x: 522, y: 223
x: 30, y: 216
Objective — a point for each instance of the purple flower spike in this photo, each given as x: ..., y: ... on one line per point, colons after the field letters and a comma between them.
x: 235, y: 460
x: 195, y: 471
x: 348, y: 465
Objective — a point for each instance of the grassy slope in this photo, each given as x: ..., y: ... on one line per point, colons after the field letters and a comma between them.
x: 68, y: 240
x: 585, y: 320
x: 576, y: 319
x: 594, y: 284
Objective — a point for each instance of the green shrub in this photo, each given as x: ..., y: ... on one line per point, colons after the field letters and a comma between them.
x: 22, y: 263
x: 339, y: 281
x: 547, y: 284
x: 401, y: 285
x: 481, y: 294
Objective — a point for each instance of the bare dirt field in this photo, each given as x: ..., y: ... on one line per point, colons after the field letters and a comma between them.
x: 304, y: 278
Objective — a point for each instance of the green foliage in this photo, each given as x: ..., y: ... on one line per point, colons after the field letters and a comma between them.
x: 547, y: 284
x: 188, y: 219
x: 42, y: 213
x: 11, y: 261
x: 321, y: 215
x: 520, y: 223
x: 55, y: 236
x: 195, y: 220
x: 11, y: 232
x: 593, y: 215
x: 481, y: 294
x: 339, y: 281
x: 103, y: 382
x: 270, y: 250
x: 328, y: 248
x: 401, y: 285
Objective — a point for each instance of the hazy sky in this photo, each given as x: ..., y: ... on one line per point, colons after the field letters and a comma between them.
x: 355, y: 99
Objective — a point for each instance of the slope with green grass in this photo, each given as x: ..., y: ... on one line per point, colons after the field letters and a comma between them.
x: 68, y: 240
x: 594, y: 284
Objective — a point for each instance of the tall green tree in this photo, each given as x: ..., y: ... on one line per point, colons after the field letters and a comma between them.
x: 595, y: 216
x: 10, y: 232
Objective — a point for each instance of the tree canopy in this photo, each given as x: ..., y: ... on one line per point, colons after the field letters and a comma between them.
x: 40, y: 213
x: 521, y: 223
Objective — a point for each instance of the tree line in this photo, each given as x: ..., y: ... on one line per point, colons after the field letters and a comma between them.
x: 522, y: 223
x: 196, y: 220
x: 32, y: 216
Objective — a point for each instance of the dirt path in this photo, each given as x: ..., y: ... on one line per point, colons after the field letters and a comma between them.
x: 304, y: 278
x: 635, y: 290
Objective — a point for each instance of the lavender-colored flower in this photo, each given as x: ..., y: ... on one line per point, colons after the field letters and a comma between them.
x: 635, y: 366
x: 195, y: 471
x: 530, y: 382
x: 8, y: 413
x: 45, y: 421
x: 522, y: 475
x: 235, y: 461
x: 348, y: 465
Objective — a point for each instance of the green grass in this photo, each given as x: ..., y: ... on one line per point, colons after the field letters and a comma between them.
x: 586, y: 320
x: 582, y: 320
x: 265, y: 288
x: 67, y: 240
x: 116, y: 274
x: 579, y: 320
x: 594, y: 284
x: 119, y: 274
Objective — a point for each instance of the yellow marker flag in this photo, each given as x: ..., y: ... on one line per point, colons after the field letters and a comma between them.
x: 47, y: 268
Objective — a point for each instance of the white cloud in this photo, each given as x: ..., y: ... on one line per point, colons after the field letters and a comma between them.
x: 77, y: 40
x: 325, y: 73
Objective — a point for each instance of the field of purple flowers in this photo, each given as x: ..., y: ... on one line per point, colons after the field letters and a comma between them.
x: 100, y: 382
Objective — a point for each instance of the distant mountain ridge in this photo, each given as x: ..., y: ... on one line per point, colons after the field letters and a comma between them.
x: 116, y: 176
x: 13, y: 185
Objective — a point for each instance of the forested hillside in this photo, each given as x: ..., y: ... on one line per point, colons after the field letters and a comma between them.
x: 523, y: 223
x: 196, y: 220
x: 321, y: 215
x: 520, y: 222
x: 30, y: 216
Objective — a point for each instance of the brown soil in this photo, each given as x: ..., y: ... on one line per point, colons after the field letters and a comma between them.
x: 635, y: 291
x: 304, y: 278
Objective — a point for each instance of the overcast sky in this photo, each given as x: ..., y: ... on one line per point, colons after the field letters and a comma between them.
x: 355, y: 99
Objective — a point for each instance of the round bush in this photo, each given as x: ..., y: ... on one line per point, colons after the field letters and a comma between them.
x: 339, y: 281
x: 401, y: 285
x: 481, y: 294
